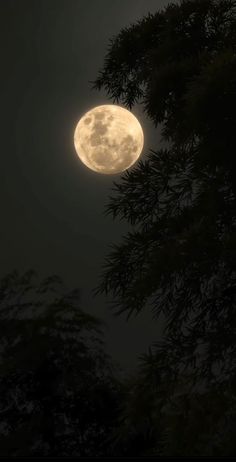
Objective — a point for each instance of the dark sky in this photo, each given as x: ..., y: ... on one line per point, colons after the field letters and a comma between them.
x: 51, y: 205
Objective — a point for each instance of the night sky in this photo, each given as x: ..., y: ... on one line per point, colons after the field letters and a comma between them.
x: 52, y: 206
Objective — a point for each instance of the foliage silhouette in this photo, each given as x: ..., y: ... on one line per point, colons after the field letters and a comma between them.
x: 163, y: 417
x: 180, y: 64
x: 58, y: 392
x: 179, y: 258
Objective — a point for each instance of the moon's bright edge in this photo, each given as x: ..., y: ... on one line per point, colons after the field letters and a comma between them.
x: 108, y: 139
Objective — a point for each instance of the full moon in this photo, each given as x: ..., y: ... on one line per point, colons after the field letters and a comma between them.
x: 108, y: 139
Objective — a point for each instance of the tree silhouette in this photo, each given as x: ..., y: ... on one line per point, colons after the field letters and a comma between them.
x: 179, y: 257
x: 165, y: 418
x: 180, y: 64
x: 58, y: 392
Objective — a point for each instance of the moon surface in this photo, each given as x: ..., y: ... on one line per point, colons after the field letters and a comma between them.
x: 108, y: 139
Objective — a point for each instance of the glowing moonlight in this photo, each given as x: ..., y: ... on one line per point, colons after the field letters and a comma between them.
x: 108, y: 139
